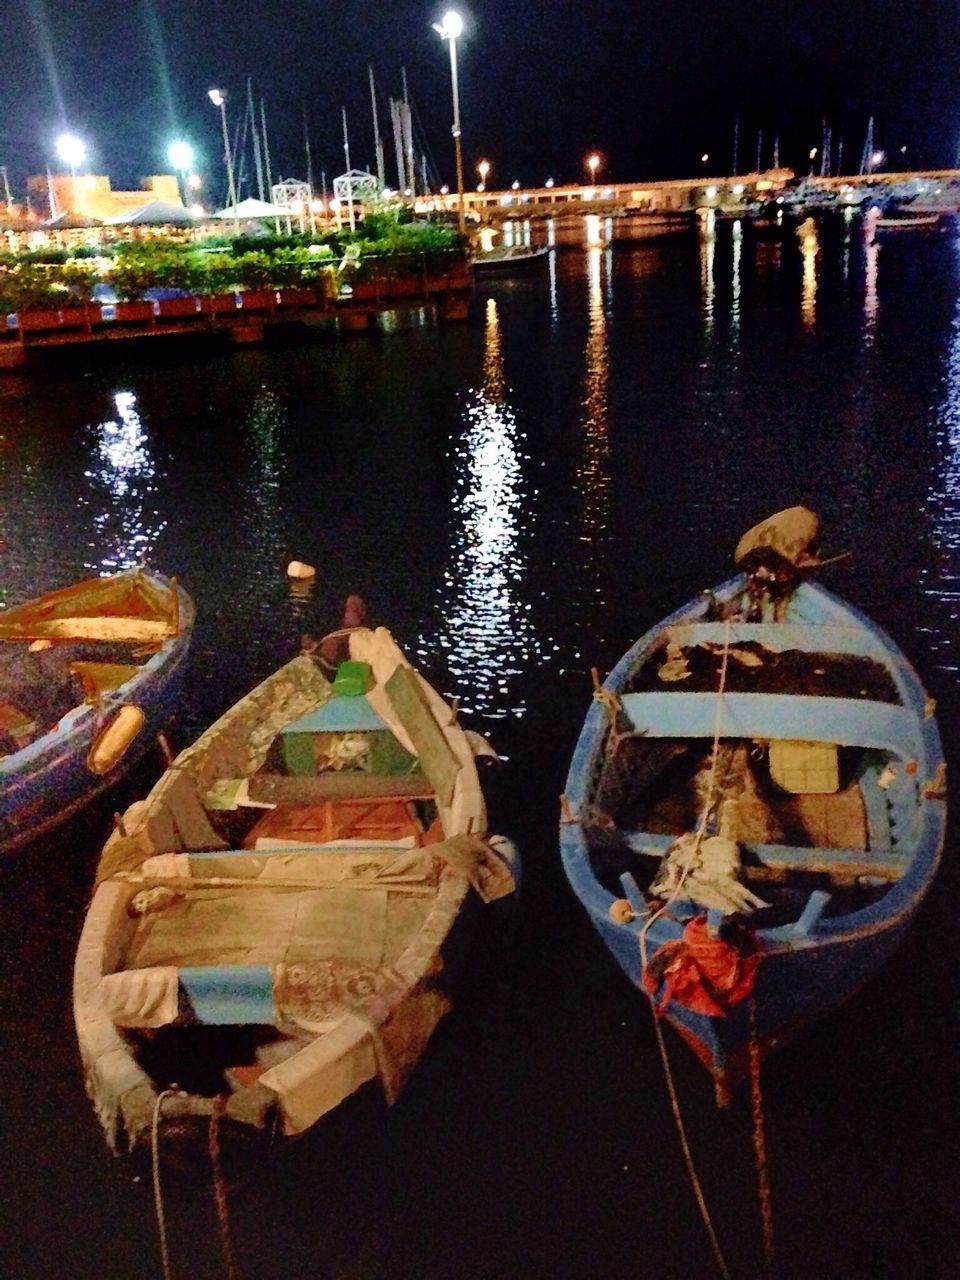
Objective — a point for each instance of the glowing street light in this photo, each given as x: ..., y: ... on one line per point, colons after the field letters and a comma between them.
x: 593, y: 163
x: 877, y: 158
x: 72, y: 151
x: 180, y: 155
x: 703, y: 160
x: 449, y: 28
x: 219, y: 99
x: 483, y: 168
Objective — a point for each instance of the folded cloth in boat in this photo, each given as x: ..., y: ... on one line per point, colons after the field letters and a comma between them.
x: 487, y: 872
x: 704, y: 871
x: 141, y: 997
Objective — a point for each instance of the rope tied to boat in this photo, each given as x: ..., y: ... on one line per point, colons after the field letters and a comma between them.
x: 759, y: 1143
x: 651, y: 996
x: 157, y: 1189
x: 219, y: 1186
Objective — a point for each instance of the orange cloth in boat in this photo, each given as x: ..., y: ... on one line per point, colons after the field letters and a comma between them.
x: 704, y: 974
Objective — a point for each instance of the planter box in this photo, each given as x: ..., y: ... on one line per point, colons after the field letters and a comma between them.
x: 133, y: 313
x: 296, y: 297
x: 218, y: 303
x: 78, y: 317
x: 170, y: 307
x: 39, y: 318
x: 258, y: 299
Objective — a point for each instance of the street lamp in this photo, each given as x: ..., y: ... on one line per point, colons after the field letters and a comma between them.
x: 703, y: 160
x: 483, y: 168
x: 449, y: 28
x: 180, y: 155
x: 593, y: 163
x: 219, y: 99
x: 72, y: 151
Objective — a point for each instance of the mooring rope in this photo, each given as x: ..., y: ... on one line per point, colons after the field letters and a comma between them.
x: 760, y: 1145
x: 157, y: 1190
x: 661, y: 1043
x: 219, y: 1186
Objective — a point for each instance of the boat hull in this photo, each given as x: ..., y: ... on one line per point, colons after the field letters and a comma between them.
x: 807, y: 967
x: 45, y: 783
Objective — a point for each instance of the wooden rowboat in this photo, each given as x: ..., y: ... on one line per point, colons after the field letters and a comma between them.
x: 88, y: 675
x: 756, y: 806
x: 269, y: 927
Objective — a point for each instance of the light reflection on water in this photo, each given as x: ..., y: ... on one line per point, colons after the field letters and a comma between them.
x: 486, y: 629
x: 944, y: 503
x: 123, y: 491
x: 593, y: 472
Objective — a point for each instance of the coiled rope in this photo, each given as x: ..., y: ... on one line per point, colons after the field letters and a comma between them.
x: 157, y: 1190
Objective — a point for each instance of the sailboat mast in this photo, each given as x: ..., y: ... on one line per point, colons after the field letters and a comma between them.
x: 267, y: 171
x: 377, y: 142
x: 306, y: 145
x: 408, y: 133
x: 257, y: 157
x: 346, y: 153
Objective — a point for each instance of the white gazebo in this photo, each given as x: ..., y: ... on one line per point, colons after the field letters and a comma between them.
x: 355, y: 187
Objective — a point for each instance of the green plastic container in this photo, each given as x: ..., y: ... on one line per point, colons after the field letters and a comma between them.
x: 352, y: 679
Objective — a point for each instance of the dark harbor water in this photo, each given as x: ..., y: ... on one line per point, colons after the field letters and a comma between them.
x: 517, y: 498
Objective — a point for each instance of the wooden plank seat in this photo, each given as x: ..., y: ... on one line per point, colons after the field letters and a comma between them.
x: 850, y: 722
x: 844, y: 864
x: 780, y: 636
x: 280, y: 788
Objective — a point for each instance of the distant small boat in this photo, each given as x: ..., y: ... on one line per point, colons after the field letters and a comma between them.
x: 756, y: 806
x: 907, y: 221
x: 88, y: 675
x: 270, y: 926
x: 510, y: 260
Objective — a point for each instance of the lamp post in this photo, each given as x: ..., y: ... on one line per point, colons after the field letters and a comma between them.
x: 449, y: 28
x: 593, y: 164
x: 180, y: 155
x: 72, y: 151
x: 219, y: 99
x: 483, y: 168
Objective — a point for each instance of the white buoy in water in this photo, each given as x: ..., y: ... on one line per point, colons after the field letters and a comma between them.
x: 297, y: 569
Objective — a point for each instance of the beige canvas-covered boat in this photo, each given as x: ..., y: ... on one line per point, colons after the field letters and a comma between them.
x: 269, y: 927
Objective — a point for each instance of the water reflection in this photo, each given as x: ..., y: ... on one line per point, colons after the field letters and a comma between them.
x: 708, y: 249
x: 486, y: 628
x: 943, y: 501
x: 737, y: 251
x: 870, y: 302
x: 593, y: 472
x: 809, y: 247
x: 123, y: 489
x: 261, y: 496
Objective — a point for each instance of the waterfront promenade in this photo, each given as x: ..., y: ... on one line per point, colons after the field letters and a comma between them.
x: 240, y: 318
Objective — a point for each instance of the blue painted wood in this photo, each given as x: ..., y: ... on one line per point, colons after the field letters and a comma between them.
x: 844, y: 721
x: 229, y: 995
x: 338, y: 715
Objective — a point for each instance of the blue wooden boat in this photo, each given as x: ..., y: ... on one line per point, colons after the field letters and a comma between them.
x: 756, y: 805
x: 88, y: 675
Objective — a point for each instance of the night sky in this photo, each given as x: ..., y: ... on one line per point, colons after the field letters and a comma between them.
x: 650, y: 84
